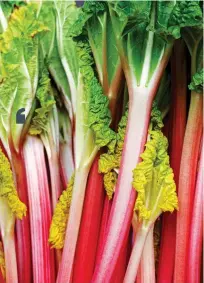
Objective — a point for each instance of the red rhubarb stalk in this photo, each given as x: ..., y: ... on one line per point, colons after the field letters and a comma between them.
x: 40, y: 210
x: 104, y: 222
x: 90, y: 227
x: 178, y: 124
x: 190, y: 152
x: 194, y: 262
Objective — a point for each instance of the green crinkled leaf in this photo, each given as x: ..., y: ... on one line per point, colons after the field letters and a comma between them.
x: 110, y: 161
x: 46, y: 100
x: 100, y: 118
x: 95, y: 24
x: 66, y: 14
x: 145, y: 31
x: 156, y: 118
x: 50, y: 51
x: 19, y: 58
x: 89, y: 9
x: 184, y: 14
x: 6, y: 9
x: 197, y: 82
x: 153, y: 178
x: 97, y: 110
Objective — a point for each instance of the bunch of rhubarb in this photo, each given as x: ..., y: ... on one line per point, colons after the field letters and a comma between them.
x: 101, y: 150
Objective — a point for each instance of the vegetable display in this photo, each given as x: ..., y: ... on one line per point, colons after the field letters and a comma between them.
x: 101, y: 177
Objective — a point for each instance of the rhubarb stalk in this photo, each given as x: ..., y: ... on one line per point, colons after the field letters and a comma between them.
x: 90, y: 227
x: 147, y: 263
x: 194, y: 262
x: 103, y: 226
x: 11, y: 207
x: 92, y: 132
x: 156, y: 190
x: 73, y: 224
x: 190, y: 152
x: 19, y: 43
x: 23, y: 245
x: 144, y: 55
x: 40, y: 210
x: 187, y: 180
x: 178, y: 124
x: 8, y: 237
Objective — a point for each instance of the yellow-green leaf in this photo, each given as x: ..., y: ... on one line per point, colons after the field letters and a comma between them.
x: 60, y: 217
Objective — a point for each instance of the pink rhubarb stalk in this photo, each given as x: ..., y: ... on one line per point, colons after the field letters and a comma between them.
x: 187, y: 181
x: 194, y: 262
x: 140, y: 102
x: 8, y: 238
x: 120, y: 269
x: 147, y: 262
x: 40, y: 211
x: 178, y: 124
x: 23, y: 244
x: 66, y: 265
x: 136, y: 254
x: 124, y: 199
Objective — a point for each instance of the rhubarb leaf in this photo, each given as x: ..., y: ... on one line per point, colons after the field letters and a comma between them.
x: 50, y: 51
x: 184, y: 14
x: 60, y: 217
x: 8, y: 191
x: 110, y: 161
x: 92, y: 108
x: 40, y: 120
x: 66, y: 14
x: 6, y: 9
x: 145, y: 31
x: 110, y: 179
x: 139, y: 46
x: 197, y: 82
x: 19, y: 58
x: 94, y: 21
x: 153, y: 178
